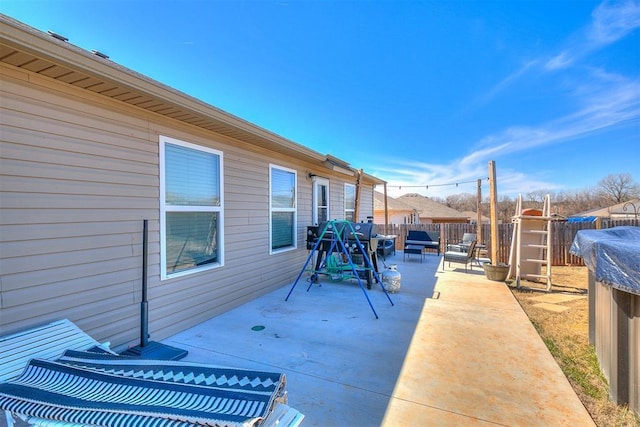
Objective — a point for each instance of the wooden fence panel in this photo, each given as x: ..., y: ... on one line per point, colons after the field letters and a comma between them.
x: 563, y: 234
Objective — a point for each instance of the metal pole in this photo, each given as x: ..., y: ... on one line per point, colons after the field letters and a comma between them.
x: 144, y: 305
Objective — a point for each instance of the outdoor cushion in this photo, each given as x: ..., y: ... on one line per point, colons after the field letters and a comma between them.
x: 89, y: 384
x: 460, y: 257
x: 428, y: 239
x: 106, y: 389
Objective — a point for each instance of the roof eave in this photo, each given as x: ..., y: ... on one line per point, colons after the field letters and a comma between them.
x: 26, y: 39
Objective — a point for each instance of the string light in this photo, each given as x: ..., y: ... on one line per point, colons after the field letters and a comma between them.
x: 434, y: 185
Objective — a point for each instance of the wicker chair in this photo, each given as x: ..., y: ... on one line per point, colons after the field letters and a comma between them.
x: 465, y: 258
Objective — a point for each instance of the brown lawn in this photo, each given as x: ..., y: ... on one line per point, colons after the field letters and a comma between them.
x: 562, y: 322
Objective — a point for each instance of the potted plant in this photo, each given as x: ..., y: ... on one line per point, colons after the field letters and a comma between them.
x: 497, y: 272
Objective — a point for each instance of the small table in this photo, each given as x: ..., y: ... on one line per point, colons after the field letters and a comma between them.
x: 415, y: 249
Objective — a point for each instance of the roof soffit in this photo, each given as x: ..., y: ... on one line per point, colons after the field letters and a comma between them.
x: 32, y: 50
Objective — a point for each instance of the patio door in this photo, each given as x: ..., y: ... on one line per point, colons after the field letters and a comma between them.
x: 320, y: 200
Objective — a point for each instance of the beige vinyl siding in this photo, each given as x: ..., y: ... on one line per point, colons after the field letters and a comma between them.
x: 336, y: 195
x: 366, y: 202
x: 336, y: 198
x: 76, y: 182
x: 249, y: 270
x: 79, y: 174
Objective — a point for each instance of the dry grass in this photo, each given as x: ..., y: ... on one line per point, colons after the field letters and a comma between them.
x: 566, y: 334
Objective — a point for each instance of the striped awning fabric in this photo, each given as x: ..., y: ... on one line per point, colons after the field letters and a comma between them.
x: 109, y: 390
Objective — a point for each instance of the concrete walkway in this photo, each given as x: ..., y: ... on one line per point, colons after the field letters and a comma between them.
x: 467, y: 356
x: 475, y: 359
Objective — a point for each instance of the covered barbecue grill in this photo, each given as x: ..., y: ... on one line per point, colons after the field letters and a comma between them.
x: 365, y: 232
x: 339, y: 243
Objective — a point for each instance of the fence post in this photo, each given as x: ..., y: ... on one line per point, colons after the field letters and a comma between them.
x: 493, y: 197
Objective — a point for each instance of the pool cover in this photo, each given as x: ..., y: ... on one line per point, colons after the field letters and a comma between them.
x: 613, y: 255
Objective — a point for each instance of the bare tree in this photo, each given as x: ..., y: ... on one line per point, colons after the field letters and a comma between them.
x: 573, y: 202
x: 614, y: 188
x: 506, y: 208
x: 618, y: 187
x: 462, y: 202
x: 536, y: 198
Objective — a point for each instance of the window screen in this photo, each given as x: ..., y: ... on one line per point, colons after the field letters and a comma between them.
x: 283, y: 208
x: 320, y: 200
x: 191, y: 217
x: 350, y: 202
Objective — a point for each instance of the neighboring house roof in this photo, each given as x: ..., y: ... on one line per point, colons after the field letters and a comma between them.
x: 54, y: 57
x: 619, y: 211
x: 473, y: 216
x: 392, y: 204
x: 427, y: 208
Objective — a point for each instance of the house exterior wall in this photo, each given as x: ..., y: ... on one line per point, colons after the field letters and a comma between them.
x: 395, y: 217
x: 443, y: 221
x: 80, y: 173
x: 336, y: 197
x: 366, y: 204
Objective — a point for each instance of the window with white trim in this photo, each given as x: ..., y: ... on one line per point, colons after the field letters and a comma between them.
x: 191, y: 207
x: 320, y: 200
x: 282, y: 208
x: 350, y: 202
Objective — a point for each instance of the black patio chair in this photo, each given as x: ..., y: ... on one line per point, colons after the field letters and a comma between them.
x: 465, y: 258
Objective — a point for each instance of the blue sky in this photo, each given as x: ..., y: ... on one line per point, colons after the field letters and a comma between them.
x: 418, y: 93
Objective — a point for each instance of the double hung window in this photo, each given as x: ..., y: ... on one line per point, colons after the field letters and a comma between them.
x: 282, y: 208
x: 320, y: 200
x: 350, y: 202
x: 191, y: 207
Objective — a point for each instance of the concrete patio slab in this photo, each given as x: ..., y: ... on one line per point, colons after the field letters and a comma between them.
x: 470, y: 357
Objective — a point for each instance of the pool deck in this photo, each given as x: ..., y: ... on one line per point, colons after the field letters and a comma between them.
x: 453, y: 349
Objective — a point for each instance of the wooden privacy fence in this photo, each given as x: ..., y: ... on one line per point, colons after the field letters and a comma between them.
x: 562, y: 236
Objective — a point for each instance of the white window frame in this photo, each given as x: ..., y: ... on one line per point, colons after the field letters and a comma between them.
x: 347, y: 185
x: 164, y: 208
x: 317, y: 182
x: 293, y: 209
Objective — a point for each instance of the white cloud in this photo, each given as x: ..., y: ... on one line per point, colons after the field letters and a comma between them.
x: 608, y: 101
x: 613, y: 21
x: 502, y: 85
x: 606, y: 104
x: 562, y: 60
x: 602, y: 100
